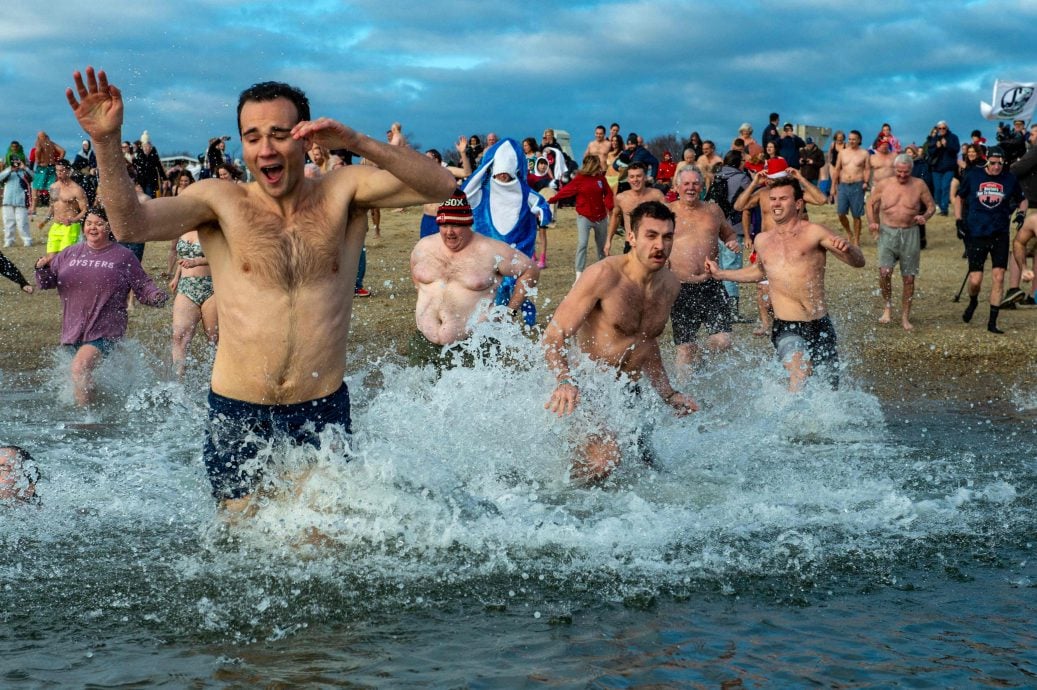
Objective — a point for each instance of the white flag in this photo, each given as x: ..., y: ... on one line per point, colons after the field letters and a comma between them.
x: 1012, y: 101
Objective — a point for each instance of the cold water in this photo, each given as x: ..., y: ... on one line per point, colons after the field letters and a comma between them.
x: 778, y: 540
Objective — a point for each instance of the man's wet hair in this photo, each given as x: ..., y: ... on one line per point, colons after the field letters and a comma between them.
x: 638, y: 165
x: 63, y: 162
x: 859, y: 135
x: 733, y: 159
x: 435, y: 155
x: 650, y: 209
x: 272, y: 90
x: 797, y: 191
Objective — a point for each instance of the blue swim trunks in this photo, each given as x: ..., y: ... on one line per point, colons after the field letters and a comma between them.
x: 239, y: 430
x: 850, y: 199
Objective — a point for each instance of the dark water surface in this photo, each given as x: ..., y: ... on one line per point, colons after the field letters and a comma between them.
x: 825, y: 539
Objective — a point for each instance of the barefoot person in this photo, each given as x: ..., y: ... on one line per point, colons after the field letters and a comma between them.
x: 616, y: 312
x: 67, y: 209
x: 756, y: 194
x: 849, y: 175
x: 457, y: 273
x: 283, y: 251
x: 793, y: 257
x: 897, y: 207
x: 191, y: 282
x: 93, y: 279
x: 702, y: 300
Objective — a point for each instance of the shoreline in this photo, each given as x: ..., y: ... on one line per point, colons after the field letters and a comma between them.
x: 942, y: 358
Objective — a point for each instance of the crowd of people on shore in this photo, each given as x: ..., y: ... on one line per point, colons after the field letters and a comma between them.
x: 278, y: 259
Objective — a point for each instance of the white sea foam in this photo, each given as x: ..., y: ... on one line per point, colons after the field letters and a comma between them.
x: 463, y: 477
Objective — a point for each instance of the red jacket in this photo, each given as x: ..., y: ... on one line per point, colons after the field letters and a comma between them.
x: 593, y: 196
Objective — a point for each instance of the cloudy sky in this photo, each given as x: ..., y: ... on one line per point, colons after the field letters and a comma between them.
x: 447, y: 68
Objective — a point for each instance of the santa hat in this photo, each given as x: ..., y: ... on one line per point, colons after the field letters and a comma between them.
x: 776, y: 167
x: 455, y: 210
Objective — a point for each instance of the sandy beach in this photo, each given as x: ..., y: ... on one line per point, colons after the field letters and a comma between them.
x: 942, y: 358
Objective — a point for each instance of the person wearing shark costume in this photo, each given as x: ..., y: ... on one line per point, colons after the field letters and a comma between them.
x: 505, y: 208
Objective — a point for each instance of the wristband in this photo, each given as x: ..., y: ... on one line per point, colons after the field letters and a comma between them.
x: 670, y: 396
x: 569, y: 382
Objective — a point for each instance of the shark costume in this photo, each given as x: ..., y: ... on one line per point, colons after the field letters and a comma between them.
x: 507, y: 211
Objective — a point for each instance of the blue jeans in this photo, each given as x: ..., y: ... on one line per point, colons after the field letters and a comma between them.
x: 942, y: 189
x: 730, y: 260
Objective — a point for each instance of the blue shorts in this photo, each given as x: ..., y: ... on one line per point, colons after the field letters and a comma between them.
x: 239, y: 430
x: 429, y: 226
x: 105, y: 345
x: 851, y: 198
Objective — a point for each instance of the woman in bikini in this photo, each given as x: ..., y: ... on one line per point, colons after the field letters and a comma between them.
x: 192, y: 282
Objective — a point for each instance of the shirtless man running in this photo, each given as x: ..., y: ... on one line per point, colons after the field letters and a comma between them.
x: 793, y: 257
x: 702, y: 299
x: 616, y: 312
x: 896, y: 207
x: 627, y: 201
x: 456, y: 273
x: 599, y: 146
x: 756, y: 195
x: 67, y: 209
x: 849, y: 175
x: 283, y: 251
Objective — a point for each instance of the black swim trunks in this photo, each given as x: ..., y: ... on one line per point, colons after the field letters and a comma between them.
x: 698, y: 304
x: 814, y: 338
x: 238, y: 431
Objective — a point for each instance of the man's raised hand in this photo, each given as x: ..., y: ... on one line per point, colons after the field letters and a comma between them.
x: 99, y: 108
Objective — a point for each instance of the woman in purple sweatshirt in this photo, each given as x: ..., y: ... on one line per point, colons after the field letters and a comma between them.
x: 94, y: 278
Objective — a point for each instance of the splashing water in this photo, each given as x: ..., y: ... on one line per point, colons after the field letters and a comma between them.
x: 456, y: 488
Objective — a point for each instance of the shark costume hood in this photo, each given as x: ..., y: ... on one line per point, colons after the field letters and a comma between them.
x: 507, y: 211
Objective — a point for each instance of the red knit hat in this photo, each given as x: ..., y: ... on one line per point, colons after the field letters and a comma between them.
x: 455, y: 210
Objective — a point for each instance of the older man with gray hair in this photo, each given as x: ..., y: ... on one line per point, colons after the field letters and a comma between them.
x: 897, y: 206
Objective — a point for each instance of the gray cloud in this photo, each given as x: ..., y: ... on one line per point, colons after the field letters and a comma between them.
x: 448, y: 68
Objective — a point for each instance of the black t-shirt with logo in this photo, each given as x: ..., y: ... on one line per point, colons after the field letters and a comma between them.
x: 989, y: 201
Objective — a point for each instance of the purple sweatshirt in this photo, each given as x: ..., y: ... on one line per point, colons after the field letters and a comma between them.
x: 94, y: 286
